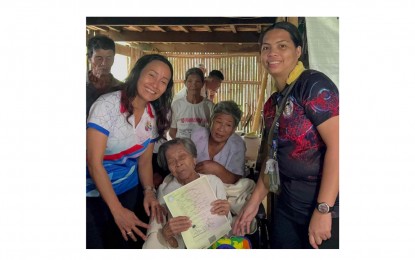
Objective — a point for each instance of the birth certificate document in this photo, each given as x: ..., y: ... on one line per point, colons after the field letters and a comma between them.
x: 194, y: 200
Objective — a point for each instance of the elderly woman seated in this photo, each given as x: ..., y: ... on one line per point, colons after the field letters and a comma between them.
x: 179, y: 155
x: 220, y: 151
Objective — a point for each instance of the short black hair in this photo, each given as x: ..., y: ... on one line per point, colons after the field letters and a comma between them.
x: 100, y: 42
x: 217, y: 74
x: 195, y: 71
x: 287, y: 26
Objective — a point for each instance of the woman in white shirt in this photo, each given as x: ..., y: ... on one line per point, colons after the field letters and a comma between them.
x: 179, y: 156
x: 221, y: 151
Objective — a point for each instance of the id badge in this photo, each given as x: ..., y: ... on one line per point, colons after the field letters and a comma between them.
x: 271, y: 168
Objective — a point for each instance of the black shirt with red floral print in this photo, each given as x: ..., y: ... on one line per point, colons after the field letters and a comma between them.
x: 313, y: 100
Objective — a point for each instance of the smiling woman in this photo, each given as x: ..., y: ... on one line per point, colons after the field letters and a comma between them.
x: 302, y: 145
x: 121, y: 130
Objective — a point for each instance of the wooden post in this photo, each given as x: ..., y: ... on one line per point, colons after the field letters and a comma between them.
x: 281, y: 19
x: 257, y: 117
x: 293, y: 20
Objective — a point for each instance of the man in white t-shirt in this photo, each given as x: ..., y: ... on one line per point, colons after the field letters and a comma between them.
x: 192, y: 110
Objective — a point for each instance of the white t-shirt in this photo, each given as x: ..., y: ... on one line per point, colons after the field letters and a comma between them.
x: 187, y: 116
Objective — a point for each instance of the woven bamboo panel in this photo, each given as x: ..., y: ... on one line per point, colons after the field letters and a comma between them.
x: 242, y: 82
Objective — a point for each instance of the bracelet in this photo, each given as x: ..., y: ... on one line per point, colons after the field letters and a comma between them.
x: 149, y: 188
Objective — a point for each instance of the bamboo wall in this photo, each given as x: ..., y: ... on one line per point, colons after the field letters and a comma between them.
x: 242, y: 72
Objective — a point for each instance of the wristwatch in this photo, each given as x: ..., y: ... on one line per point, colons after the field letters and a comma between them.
x: 324, y: 208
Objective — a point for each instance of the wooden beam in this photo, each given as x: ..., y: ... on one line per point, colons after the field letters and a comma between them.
x: 183, y: 29
x: 160, y: 29
x: 101, y: 28
x: 248, y: 28
x: 122, y: 49
x: 114, y: 29
x: 96, y: 28
x: 134, y: 28
x: 210, y: 55
x: 209, y: 47
x: 171, y: 21
x: 175, y: 37
x: 258, y: 29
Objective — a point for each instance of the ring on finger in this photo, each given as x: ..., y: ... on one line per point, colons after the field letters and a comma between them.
x: 129, y: 233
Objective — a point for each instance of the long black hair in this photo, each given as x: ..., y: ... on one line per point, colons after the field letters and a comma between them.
x: 162, y: 105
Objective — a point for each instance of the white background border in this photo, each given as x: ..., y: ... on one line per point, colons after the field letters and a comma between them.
x: 43, y: 129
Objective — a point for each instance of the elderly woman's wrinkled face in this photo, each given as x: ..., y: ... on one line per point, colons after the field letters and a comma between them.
x: 180, y: 162
x: 223, y: 126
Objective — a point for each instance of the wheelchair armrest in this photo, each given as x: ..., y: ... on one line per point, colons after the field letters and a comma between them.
x: 261, y: 212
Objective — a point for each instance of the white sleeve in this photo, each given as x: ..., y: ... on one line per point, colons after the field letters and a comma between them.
x: 174, y: 108
x: 100, y: 115
x: 236, y: 159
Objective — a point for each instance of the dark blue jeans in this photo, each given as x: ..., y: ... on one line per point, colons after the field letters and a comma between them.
x: 286, y: 233
x: 101, y: 230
